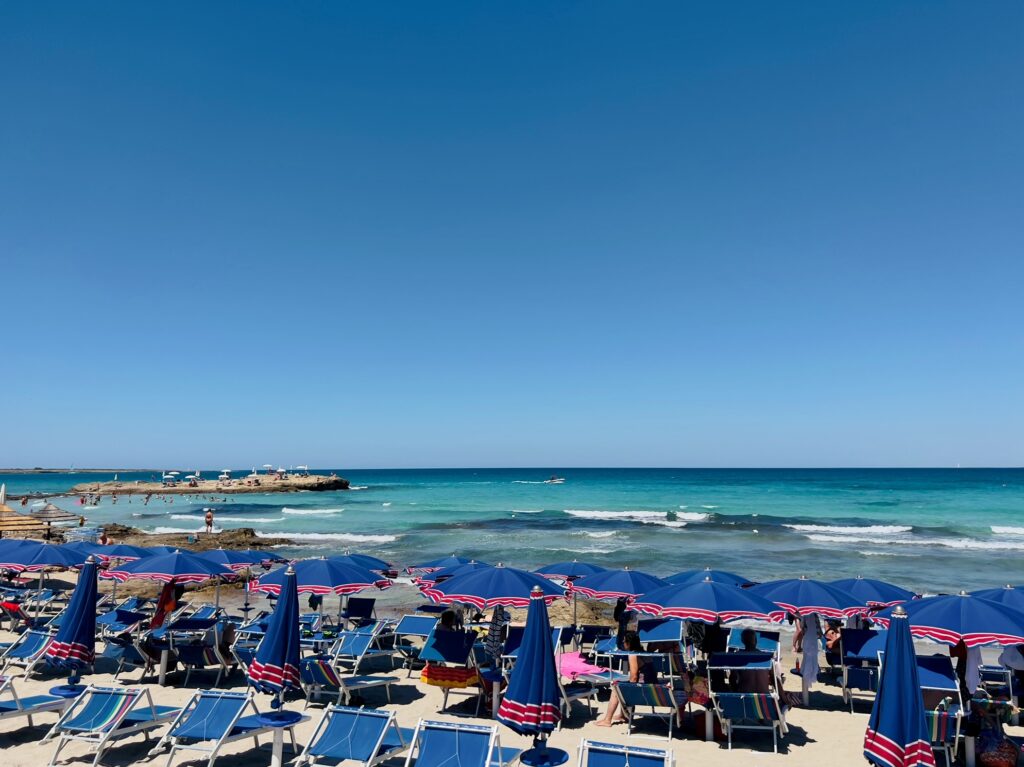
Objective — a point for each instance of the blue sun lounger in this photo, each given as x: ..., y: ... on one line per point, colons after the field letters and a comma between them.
x: 318, y: 674
x: 859, y: 650
x: 15, y: 706
x: 212, y: 719
x: 453, y: 653
x: 944, y: 708
x: 102, y: 715
x: 662, y: 700
x: 27, y: 652
x: 412, y: 627
x: 353, y: 648
x: 452, y: 744
x: 595, y: 754
x: 358, y: 611
x: 767, y: 641
x: 747, y: 710
x: 357, y: 735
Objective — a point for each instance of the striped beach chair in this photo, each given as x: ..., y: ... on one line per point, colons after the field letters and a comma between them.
x: 355, y: 735
x: 27, y: 652
x: 595, y: 754
x: 747, y: 710
x: 858, y: 650
x: 441, y: 744
x: 318, y: 674
x: 944, y: 707
x: 12, y: 706
x: 660, y: 698
x: 102, y: 715
x: 451, y: 664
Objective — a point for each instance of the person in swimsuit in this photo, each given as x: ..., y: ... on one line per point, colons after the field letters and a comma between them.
x: 640, y: 670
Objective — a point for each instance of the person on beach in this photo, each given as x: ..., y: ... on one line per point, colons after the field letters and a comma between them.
x: 807, y: 642
x: 209, y: 520
x: 639, y: 671
x: 1012, y: 658
x: 750, y: 680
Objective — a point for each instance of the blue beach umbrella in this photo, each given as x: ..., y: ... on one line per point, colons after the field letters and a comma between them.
x: 1007, y: 595
x: 126, y: 552
x: 322, y: 576
x: 438, y: 564
x: 231, y: 559
x: 532, y: 702
x: 897, y: 733
x: 492, y: 587
x: 40, y: 557
x: 718, y: 576
x: 83, y: 548
x: 444, y: 573
x: 616, y: 584
x: 180, y: 567
x: 74, y: 646
x: 568, y: 570
x: 365, y: 561
x: 803, y: 596
x: 275, y: 668
x: 872, y: 592
x: 960, y: 617
x: 707, y: 602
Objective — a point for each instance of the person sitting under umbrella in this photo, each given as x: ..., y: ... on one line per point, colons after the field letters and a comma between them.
x: 640, y: 670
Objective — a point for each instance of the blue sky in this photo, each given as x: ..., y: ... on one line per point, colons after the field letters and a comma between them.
x: 591, y: 233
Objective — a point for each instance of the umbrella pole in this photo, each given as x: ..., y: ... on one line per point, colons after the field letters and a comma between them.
x: 216, y: 593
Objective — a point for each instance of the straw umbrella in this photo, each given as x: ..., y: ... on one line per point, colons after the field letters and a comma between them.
x: 13, y: 522
x: 51, y: 514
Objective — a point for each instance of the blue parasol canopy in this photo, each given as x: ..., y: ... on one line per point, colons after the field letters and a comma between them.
x: 804, y: 596
x: 872, y: 592
x: 439, y: 564
x: 231, y: 559
x: 897, y: 733
x: 180, y: 567
x: 532, y: 702
x: 718, y: 576
x: 322, y: 576
x: 960, y: 617
x: 493, y: 586
x: 74, y: 646
x: 83, y: 548
x: 126, y: 551
x: 444, y: 573
x: 707, y: 602
x: 567, y: 570
x: 1007, y: 595
x: 365, y: 561
x: 276, y: 665
x: 39, y: 557
x: 615, y: 584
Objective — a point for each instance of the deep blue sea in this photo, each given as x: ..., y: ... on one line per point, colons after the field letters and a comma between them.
x: 927, y: 529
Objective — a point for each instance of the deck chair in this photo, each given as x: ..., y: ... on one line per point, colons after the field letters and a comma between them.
x: 244, y: 653
x: 442, y: 744
x: 747, y: 710
x: 409, y: 628
x: 451, y: 664
x: 212, y: 719
x: 196, y: 643
x: 102, y: 715
x: 587, y: 634
x: 118, y: 621
x: 572, y: 692
x: 27, y: 652
x: 858, y: 649
x: 353, y: 648
x: 662, y: 700
x: 997, y: 681
x: 944, y: 707
x: 124, y: 651
x: 767, y: 641
x: 595, y: 754
x: 359, y: 611
x: 318, y: 674
x: 355, y: 735
x: 13, y: 706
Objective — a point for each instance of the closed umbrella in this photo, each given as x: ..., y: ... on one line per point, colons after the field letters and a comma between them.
x: 707, y: 602
x: 493, y: 586
x: 74, y: 646
x: 275, y: 668
x: 897, y: 733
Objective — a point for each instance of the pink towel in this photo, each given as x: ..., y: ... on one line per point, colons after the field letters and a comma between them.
x: 571, y: 665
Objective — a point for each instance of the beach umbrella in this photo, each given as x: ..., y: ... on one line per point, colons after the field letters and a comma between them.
x: 275, y: 668
x: 233, y: 560
x: 177, y: 567
x: 40, y: 557
x: 84, y: 548
x: 804, y: 596
x: 616, y: 584
x: 13, y: 522
x: 707, y: 602
x: 532, y: 701
x: 322, y: 576
x: 74, y: 646
x: 448, y: 572
x: 898, y: 733
x: 872, y: 592
x: 718, y: 576
x: 125, y: 552
x: 438, y: 564
x: 1007, y: 595
x: 489, y: 587
x: 955, y: 618
x: 567, y: 570
x: 365, y: 561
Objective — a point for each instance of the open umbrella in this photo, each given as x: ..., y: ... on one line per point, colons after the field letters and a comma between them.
x: 1008, y: 595
x: 365, y: 561
x: 275, y: 668
x: 74, y: 646
x: 493, y: 586
x: 804, y: 596
x: 897, y: 733
x: 322, y: 576
x: 567, y: 570
x: 532, y: 702
x: 179, y: 567
x: 125, y: 552
x: 707, y: 602
x: 424, y: 581
x: 438, y: 564
x: 41, y: 556
x: 872, y: 592
x: 718, y: 576
x: 616, y: 584
x: 955, y: 618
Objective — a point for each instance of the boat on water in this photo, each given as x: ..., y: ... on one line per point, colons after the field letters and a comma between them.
x: 554, y: 480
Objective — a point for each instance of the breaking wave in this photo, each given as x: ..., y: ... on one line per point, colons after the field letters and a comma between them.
x: 304, y: 512
x: 852, y: 529
x: 352, y: 537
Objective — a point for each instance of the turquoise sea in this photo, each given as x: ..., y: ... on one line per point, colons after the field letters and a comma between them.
x: 927, y: 529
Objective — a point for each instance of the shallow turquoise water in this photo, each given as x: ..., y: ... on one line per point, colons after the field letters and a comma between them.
x: 931, y: 529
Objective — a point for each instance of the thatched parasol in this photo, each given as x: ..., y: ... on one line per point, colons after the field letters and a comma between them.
x: 50, y: 513
x: 13, y: 522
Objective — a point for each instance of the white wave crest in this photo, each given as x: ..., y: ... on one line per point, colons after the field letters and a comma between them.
x: 354, y: 537
x: 606, y: 534
x: 226, y: 518
x: 527, y: 511
x: 709, y: 506
x: 359, y: 487
x: 184, y: 530
x: 852, y: 530
x: 527, y: 482
x: 667, y: 518
x: 304, y: 512
x: 999, y: 530
x: 965, y: 544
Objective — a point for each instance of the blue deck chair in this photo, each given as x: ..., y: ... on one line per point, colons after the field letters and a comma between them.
x: 205, y: 612
x: 359, y: 611
x: 747, y: 710
x: 102, y: 715
x: 212, y: 719
x: 318, y: 674
x: 12, y: 706
x: 453, y: 650
x: 997, y: 681
x: 356, y: 735
x: 944, y: 707
x: 409, y: 629
x: 353, y: 648
x: 595, y: 754
x: 660, y: 700
x: 587, y: 634
x: 859, y: 650
x: 245, y: 653
x: 124, y: 651
x: 27, y: 652
x: 118, y: 621
x: 196, y: 643
x: 767, y: 641
x: 448, y: 744
x: 661, y: 630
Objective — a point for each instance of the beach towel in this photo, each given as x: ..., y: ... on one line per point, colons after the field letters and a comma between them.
x: 572, y: 664
x: 450, y: 678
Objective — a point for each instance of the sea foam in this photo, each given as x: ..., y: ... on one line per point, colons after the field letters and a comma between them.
x: 304, y: 512
x: 353, y: 537
x: 852, y: 530
x: 999, y: 530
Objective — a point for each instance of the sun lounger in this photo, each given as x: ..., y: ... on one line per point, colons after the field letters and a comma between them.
x: 351, y: 649
x: 412, y: 627
x: 212, y: 719
x: 14, y: 706
x: 451, y: 664
x: 944, y: 708
x: 27, y: 652
x: 355, y: 735
x: 767, y: 641
x: 359, y: 611
x: 118, y: 621
x: 747, y: 710
x: 452, y: 744
x: 859, y: 649
x: 102, y: 715
x: 319, y: 674
x: 595, y: 754
x: 196, y: 642
x: 663, y: 701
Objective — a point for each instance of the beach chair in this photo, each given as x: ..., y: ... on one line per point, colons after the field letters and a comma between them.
x: 196, y: 644
x: 27, y: 652
x: 359, y: 611
x: 102, y: 715
x: 244, y: 652
x: 412, y: 627
x: 12, y: 706
x: 572, y: 692
x: 451, y: 664
x: 660, y: 698
x: 210, y: 720
x: 355, y: 735
x: 858, y: 649
x: 123, y: 650
x: 119, y: 621
x: 595, y: 754
x: 997, y: 681
x: 587, y: 634
x: 747, y: 710
x: 443, y: 744
x: 767, y: 641
x: 318, y: 674
x: 944, y: 707
x: 204, y: 612
x: 353, y: 648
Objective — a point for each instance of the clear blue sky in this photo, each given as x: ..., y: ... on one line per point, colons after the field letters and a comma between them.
x: 581, y: 233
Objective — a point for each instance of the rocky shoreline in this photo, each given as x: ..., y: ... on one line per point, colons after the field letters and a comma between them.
x: 262, y: 484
